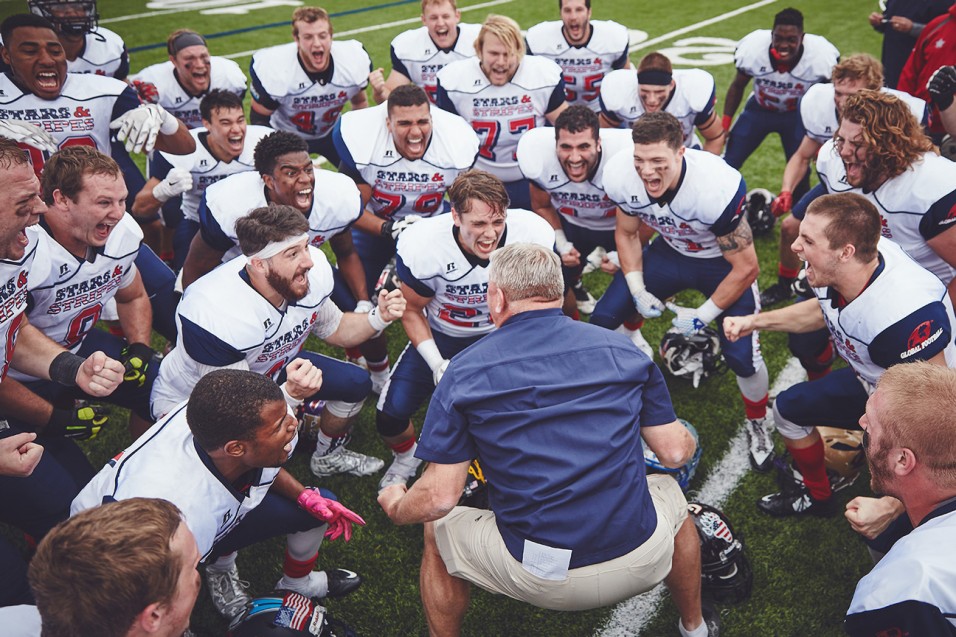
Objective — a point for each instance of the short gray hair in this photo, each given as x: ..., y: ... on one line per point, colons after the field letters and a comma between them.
x: 527, y: 270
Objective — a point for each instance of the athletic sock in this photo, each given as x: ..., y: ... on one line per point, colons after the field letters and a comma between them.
x: 812, y: 464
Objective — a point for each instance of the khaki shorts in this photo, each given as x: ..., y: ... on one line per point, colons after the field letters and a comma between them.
x: 472, y: 549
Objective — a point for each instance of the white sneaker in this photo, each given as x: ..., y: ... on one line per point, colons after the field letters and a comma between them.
x: 583, y: 299
x: 761, y: 444
x: 342, y: 460
x: 228, y: 592
x: 638, y: 339
x: 402, y: 469
x: 336, y: 582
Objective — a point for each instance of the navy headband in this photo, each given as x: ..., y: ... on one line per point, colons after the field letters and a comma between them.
x: 654, y: 76
x: 184, y: 40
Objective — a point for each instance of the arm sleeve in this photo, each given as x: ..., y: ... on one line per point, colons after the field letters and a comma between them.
x: 557, y: 96
x: 918, y: 336
x: 409, y: 279
x: 730, y: 218
x: 125, y: 102
x: 939, y: 217
x: 123, y: 69
x: 397, y: 64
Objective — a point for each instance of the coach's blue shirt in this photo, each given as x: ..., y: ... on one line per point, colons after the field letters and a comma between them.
x: 553, y: 408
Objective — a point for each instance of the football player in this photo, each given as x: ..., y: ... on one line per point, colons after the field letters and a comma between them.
x: 443, y: 265
x: 224, y: 146
x: 565, y: 171
x: 89, y: 48
x: 419, y: 54
x: 881, y: 308
x: 585, y: 49
x: 784, y: 63
x: 228, y: 443
x: 302, y: 86
x: 502, y: 93
x: 189, y: 74
x: 695, y: 201
x: 819, y: 113
x: 687, y: 94
x: 257, y: 310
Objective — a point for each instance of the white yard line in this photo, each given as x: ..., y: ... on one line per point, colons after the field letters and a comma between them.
x: 630, y: 617
x: 386, y: 25
x: 693, y: 27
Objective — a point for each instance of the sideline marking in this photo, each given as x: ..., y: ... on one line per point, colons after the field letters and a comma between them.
x: 698, y: 25
x: 386, y: 25
x: 630, y: 617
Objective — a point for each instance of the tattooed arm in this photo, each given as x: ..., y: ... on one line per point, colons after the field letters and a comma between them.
x: 738, y: 248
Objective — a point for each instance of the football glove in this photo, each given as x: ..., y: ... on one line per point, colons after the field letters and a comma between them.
x: 135, y: 358
x: 83, y: 422
x: 140, y: 127
x: 363, y: 307
x: 27, y: 133
x: 782, y: 204
x: 941, y: 86
x: 147, y: 91
x: 688, y: 319
x: 178, y: 181
x: 392, y: 228
x: 648, y: 305
x: 339, y: 518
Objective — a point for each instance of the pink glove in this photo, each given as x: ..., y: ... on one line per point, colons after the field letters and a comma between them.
x: 339, y: 518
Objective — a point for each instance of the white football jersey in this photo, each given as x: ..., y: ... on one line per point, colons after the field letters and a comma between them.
x: 223, y: 321
x: 68, y: 302
x: 223, y: 74
x: 708, y: 203
x: 430, y: 260
x: 81, y: 115
x: 692, y: 101
x: 416, y: 56
x: 584, y: 65
x: 103, y: 54
x: 401, y: 186
x: 205, y: 168
x: 583, y: 204
x: 904, y: 203
x: 164, y: 460
x: 889, y: 322
x: 780, y: 91
x: 819, y: 114
x: 336, y: 205
x: 15, y: 277
x: 500, y: 114
x: 302, y: 105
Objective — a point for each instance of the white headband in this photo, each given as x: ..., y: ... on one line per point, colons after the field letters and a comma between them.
x: 274, y: 248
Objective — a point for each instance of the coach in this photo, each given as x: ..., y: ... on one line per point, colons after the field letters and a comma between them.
x: 566, y: 532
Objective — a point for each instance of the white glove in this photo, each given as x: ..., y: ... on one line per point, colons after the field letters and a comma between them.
x: 395, y: 228
x: 648, y: 305
x: 690, y: 320
x: 440, y: 371
x: 140, y: 127
x: 561, y: 242
x: 27, y: 133
x: 363, y: 307
x: 178, y: 181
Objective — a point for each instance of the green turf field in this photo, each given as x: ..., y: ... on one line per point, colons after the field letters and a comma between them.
x: 804, y: 569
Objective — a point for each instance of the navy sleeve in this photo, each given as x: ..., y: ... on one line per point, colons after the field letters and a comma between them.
x: 919, y: 336
x: 705, y: 114
x: 621, y: 62
x: 730, y: 218
x: 259, y: 93
x: 125, y: 102
x: 409, y: 279
x: 557, y: 97
x: 442, y: 100
x: 210, y: 229
x: 159, y: 167
x: 206, y: 348
x: 346, y: 162
x: 656, y: 408
x: 611, y: 117
x: 940, y: 217
x: 123, y: 69
x: 527, y: 47
x: 800, y: 208
x: 910, y: 617
x: 398, y: 65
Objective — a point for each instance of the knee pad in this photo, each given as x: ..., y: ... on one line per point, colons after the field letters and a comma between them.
x: 787, y: 428
x: 343, y: 409
x: 389, y: 426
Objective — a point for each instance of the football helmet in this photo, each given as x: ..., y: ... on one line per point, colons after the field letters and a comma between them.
x: 759, y: 215
x: 71, y: 17
x: 947, y: 147
x: 388, y: 280
x: 726, y: 576
x: 843, y: 450
x: 694, y: 357
x: 287, y: 614
x: 684, y: 474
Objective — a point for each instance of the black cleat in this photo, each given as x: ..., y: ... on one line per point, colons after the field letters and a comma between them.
x: 777, y: 293
x: 795, y: 502
x: 342, y: 582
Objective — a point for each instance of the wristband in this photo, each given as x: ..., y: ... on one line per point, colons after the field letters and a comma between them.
x: 726, y: 122
x: 377, y: 322
x: 64, y: 368
x: 293, y: 403
x: 635, y: 282
x: 561, y: 242
x: 169, y: 124
x: 708, y: 311
x: 429, y: 351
